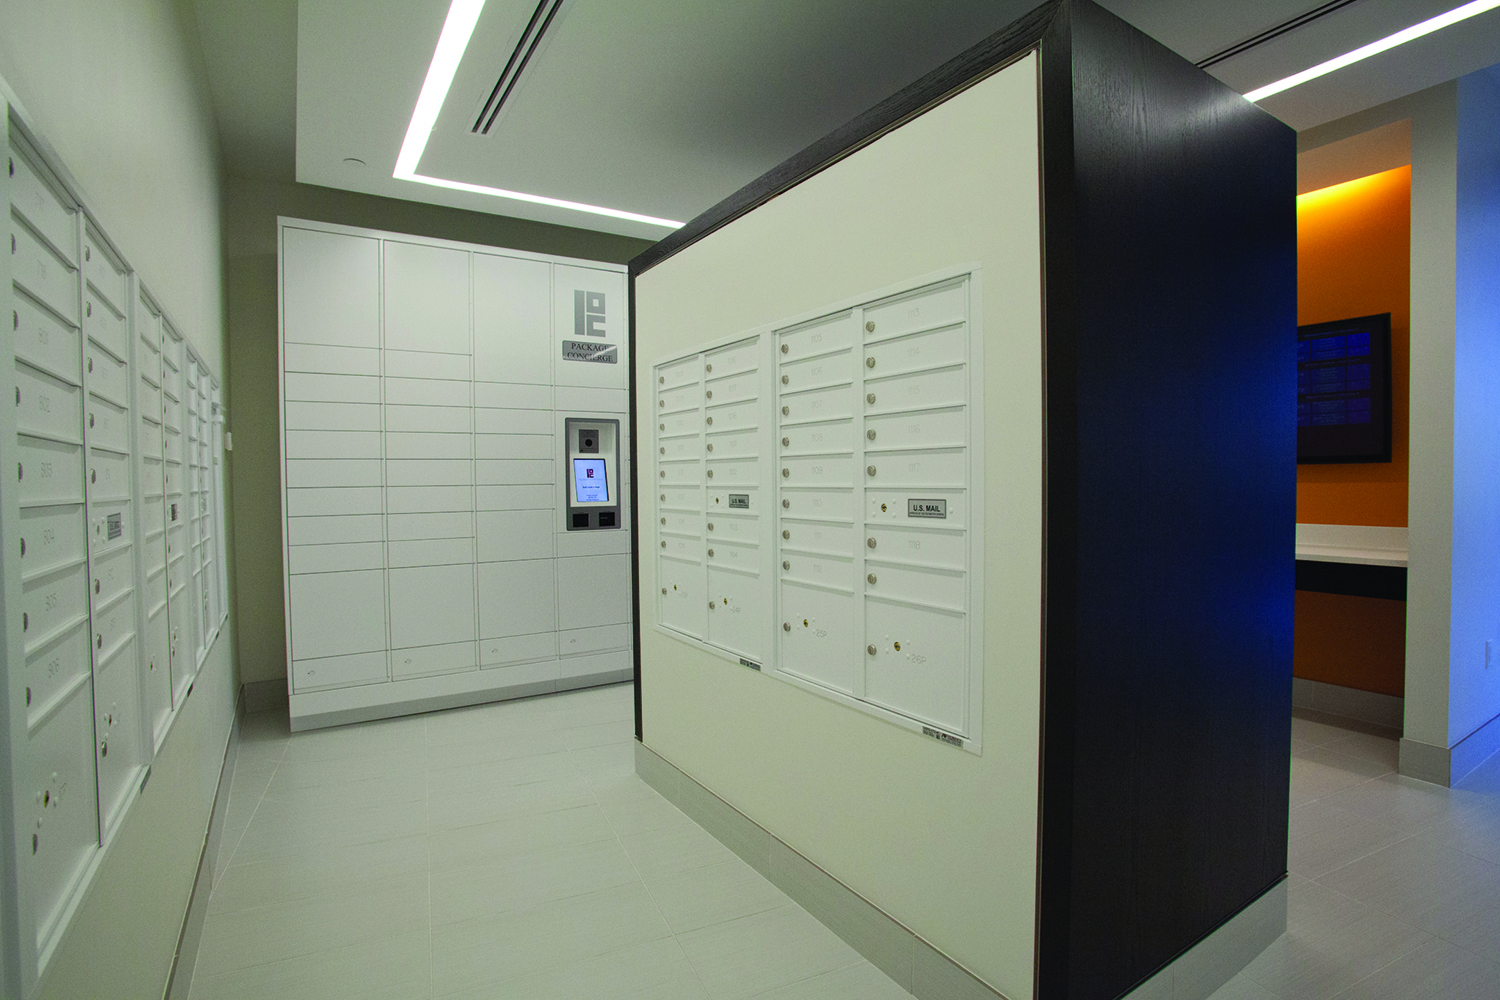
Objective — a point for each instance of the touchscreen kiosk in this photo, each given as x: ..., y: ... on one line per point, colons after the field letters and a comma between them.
x: 594, y: 484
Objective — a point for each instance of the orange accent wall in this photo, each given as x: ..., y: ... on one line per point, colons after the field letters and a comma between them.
x: 1354, y: 259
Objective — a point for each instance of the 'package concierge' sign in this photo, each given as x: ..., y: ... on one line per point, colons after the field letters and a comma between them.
x: 588, y: 321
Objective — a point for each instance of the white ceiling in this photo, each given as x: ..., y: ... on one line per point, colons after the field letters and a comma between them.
x: 663, y: 107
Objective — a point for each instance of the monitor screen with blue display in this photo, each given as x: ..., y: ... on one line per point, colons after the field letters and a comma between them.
x: 590, y: 484
x: 1344, y: 390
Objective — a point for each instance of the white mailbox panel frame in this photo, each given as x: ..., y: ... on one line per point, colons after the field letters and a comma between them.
x: 670, y: 376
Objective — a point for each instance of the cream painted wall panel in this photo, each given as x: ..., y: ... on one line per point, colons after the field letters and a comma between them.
x: 861, y: 798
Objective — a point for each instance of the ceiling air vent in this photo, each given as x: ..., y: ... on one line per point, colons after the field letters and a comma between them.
x: 529, y: 44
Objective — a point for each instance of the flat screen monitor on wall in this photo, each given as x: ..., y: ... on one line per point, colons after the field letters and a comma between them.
x: 1344, y: 390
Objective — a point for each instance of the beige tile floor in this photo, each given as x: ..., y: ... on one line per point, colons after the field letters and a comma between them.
x: 509, y: 851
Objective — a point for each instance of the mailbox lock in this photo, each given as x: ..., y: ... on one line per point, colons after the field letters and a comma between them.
x: 99, y: 641
x: 869, y: 326
x: 710, y: 553
x: 870, y: 469
x: 871, y: 578
x: 786, y: 564
x: 663, y: 520
x: 870, y: 542
x: 870, y: 398
x: 88, y: 309
x: 784, y: 348
x: 870, y: 650
x: 662, y: 426
x: 708, y: 368
x: 785, y: 502
x: 786, y: 534
x: 785, y: 473
x: 710, y: 446
x: 711, y: 605
x: 710, y: 421
x: 23, y: 548
x: 882, y: 507
x: 785, y: 626
x: 785, y: 379
x: 662, y: 451
x: 91, y: 420
x: 663, y: 544
x: 96, y: 586
x: 709, y: 394
x: 661, y: 380
x: 786, y: 442
x: 664, y: 473
x: 870, y: 434
x: 869, y: 362
x: 710, y: 526
x: 710, y: 473
x: 898, y: 646
x: 662, y: 403
x: 664, y: 498
x: 786, y: 411
x: 104, y: 748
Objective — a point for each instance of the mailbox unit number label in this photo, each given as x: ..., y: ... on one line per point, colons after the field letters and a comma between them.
x: 927, y: 508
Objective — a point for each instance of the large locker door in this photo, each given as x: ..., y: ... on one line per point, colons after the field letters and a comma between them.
x: 512, y: 320
x: 330, y: 289
x: 426, y: 299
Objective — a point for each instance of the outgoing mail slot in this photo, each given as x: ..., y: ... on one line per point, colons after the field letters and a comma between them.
x: 837, y: 505
x: 947, y: 387
x: 679, y: 373
x: 35, y: 268
x: 918, y: 507
x: 736, y: 613
x: 917, y: 468
x: 111, y: 526
x: 816, y: 373
x: 915, y: 546
x: 918, y: 429
x: 818, y: 439
x: 820, y: 570
x: 338, y: 671
x: 824, y: 336
x: 52, y: 666
x: 47, y: 471
x: 817, y: 536
x: 686, y: 547
x: 733, y: 527
x: 112, y: 574
x: 102, y: 273
x: 679, y: 473
x: 332, y: 388
x: 681, y: 523
x: 112, y: 626
x: 429, y: 472
x: 943, y: 588
x: 524, y: 446
x: 673, y: 449
x: 308, y: 472
x: 819, y: 470
x: 50, y: 601
x: 732, y: 360
x: 934, y: 307
x: 688, y: 422
x: 109, y: 476
x: 45, y: 405
x: 947, y: 345
x: 109, y: 426
x: 422, y: 661
x: 819, y: 404
x: 684, y: 601
x: 332, y: 444
x: 515, y: 473
x: 34, y: 199
x: 734, y: 417
x: 108, y: 378
x: 681, y: 497
x: 920, y: 666
x: 43, y: 339
x: 685, y: 397
x: 103, y: 326
x: 733, y: 389
x: 733, y: 444
x: 733, y: 555
x: 734, y: 472
x: 816, y: 628
x: 50, y: 537
x: 152, y: 477
x: 742, y: 499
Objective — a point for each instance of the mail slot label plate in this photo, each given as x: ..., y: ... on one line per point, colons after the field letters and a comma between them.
x: 927, y: 508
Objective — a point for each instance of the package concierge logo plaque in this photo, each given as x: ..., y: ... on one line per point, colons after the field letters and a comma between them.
x: 588, y: 321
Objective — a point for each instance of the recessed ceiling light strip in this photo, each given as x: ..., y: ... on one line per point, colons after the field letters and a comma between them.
x: 1385, y: 44
x: 531, y: 39
x: 459, y: 26
x: 1276, y: 32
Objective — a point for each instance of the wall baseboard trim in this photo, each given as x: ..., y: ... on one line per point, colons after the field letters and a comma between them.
x: 1450, y: 765
x: 915, y: 965
x: 1383, y: 710
x: 180, y: 979
x: 258, y: 696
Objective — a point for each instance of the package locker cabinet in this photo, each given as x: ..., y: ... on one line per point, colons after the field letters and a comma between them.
x: 88, y: 582
x: 424, y: 385
x: 1090, y: 476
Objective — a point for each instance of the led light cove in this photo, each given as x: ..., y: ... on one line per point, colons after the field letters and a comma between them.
x: 1416, y: 31
x: 457, y: 29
